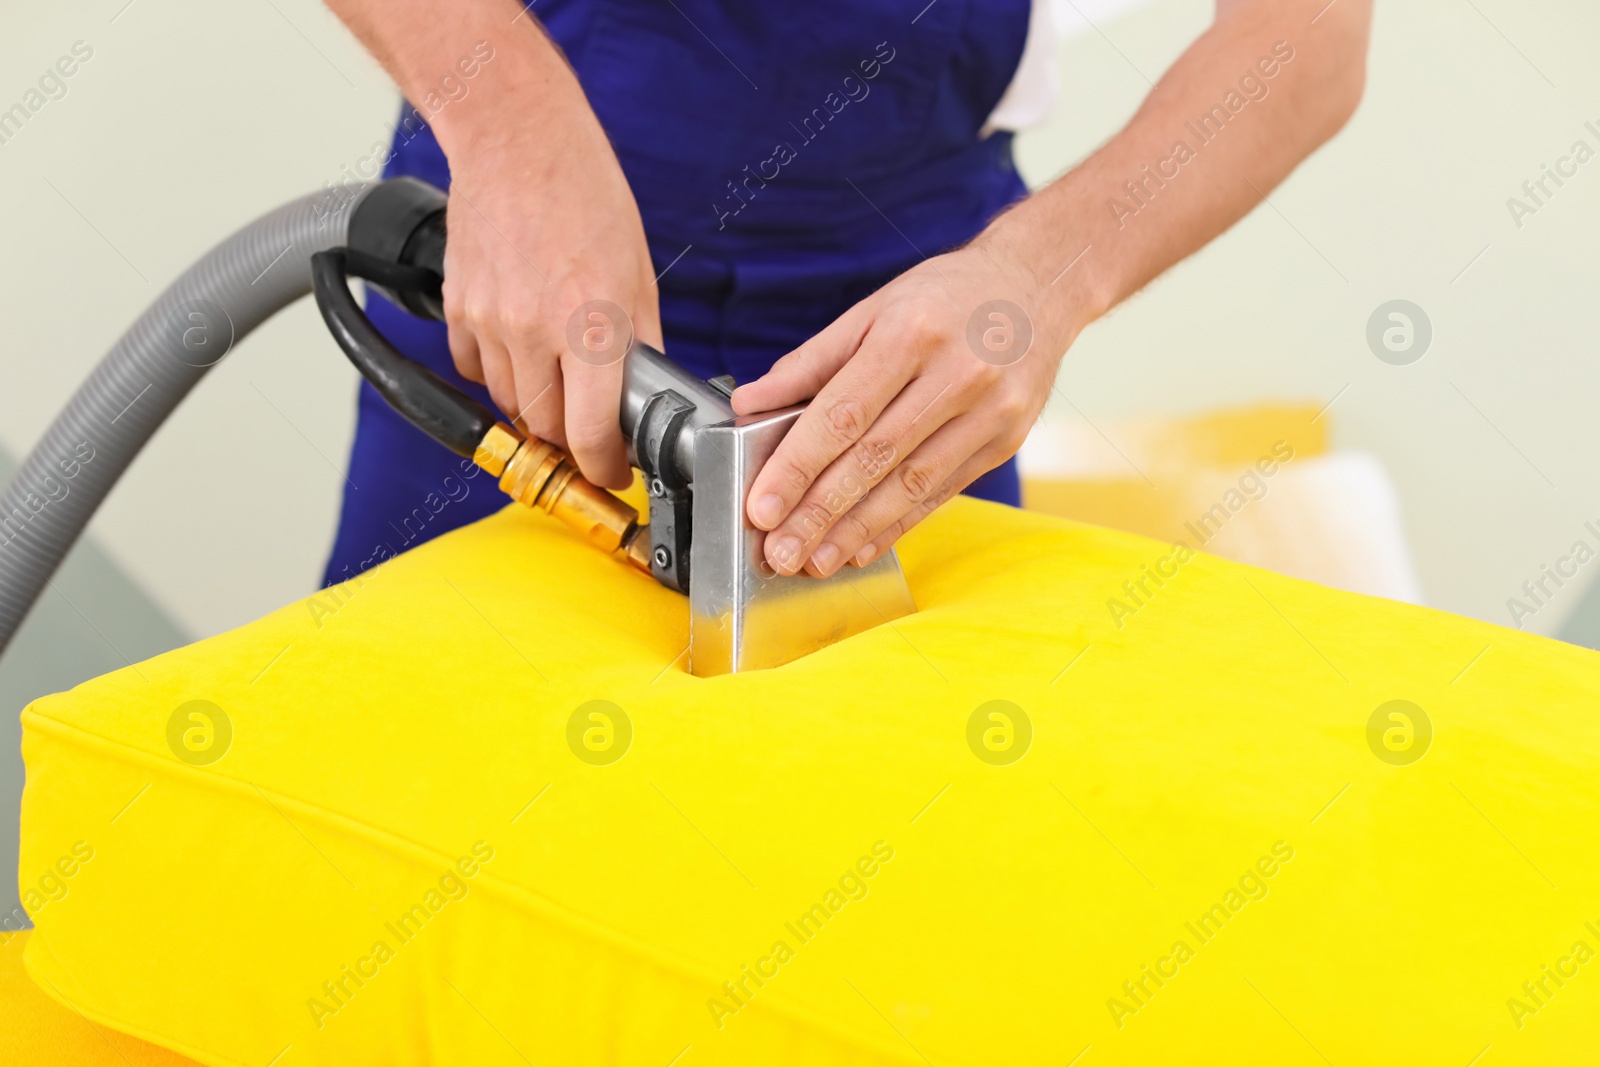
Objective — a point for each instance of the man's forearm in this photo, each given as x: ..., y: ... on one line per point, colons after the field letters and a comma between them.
x: 427, y: 46
x: 1251, y: 98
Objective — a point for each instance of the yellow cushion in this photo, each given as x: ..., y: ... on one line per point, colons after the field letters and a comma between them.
x: 1183, y: 838
x: 37, y: 1030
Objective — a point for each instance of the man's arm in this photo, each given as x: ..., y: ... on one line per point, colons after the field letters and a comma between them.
x: 907, y: 413
x: 541, y: 219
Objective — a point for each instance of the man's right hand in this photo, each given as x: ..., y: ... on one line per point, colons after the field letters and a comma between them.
x: 547, y: 274
x: 547, y: 280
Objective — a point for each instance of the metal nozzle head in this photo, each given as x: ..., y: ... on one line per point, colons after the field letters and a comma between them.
x: 742, y: 616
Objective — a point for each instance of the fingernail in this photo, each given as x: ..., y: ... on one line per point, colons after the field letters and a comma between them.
x: 866, y: 556
x: 785, y: 555
x: 767, y: 511
x: 826, y: 558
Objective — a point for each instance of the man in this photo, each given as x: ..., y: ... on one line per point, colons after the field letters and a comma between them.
x: 736, y: 181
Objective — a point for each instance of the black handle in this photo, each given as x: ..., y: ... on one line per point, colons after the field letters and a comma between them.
x: 427, y: 401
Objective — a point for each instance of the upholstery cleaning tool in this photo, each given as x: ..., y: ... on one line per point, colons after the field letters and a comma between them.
x: 697, y: 459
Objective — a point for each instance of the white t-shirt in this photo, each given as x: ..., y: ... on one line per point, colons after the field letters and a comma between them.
x: 1037, y: 81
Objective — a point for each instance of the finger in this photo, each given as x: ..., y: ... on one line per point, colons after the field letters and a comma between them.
x: 594, y: 434
x: 974, y: 468
x: 801, y: 374
x: 464, y: 351
x: 539, y: 400
x: 544, y: 415
x: 497, y: 374
x: 844, y: 410
x: 913, y: 416
x: 646, y: 318
x: 537, y: 383
x: 912, y: 483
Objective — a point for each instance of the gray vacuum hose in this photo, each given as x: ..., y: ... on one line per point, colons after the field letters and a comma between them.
x: 237, y: 286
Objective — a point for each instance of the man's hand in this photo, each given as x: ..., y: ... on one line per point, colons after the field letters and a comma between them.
x: 930, y: 382
x: 920, y: 388
x: 547, y: 280
x: 547, y: 274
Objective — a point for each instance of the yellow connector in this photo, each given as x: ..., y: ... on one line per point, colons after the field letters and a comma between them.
x: 538, y: 474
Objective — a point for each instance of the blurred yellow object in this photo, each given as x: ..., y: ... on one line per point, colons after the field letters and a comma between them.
x: 35, y: 1030
x: 472, y: 810
x: 1168, y: 469
x: 1255, y: 485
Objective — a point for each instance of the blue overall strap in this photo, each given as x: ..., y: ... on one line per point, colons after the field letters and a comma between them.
x: 788, y: 160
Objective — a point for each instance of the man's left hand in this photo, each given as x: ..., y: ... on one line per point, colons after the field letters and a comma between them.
x: 919, y: 389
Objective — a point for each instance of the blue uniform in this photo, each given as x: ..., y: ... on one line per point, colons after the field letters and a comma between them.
x: 788, y: 160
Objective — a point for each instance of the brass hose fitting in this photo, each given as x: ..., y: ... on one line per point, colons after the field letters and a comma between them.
x: 538, y: 474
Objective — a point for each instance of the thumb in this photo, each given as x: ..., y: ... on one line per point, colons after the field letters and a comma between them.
x: 801, y: 374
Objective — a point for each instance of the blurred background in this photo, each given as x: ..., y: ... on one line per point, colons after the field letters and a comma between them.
x: 1449, y: 474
